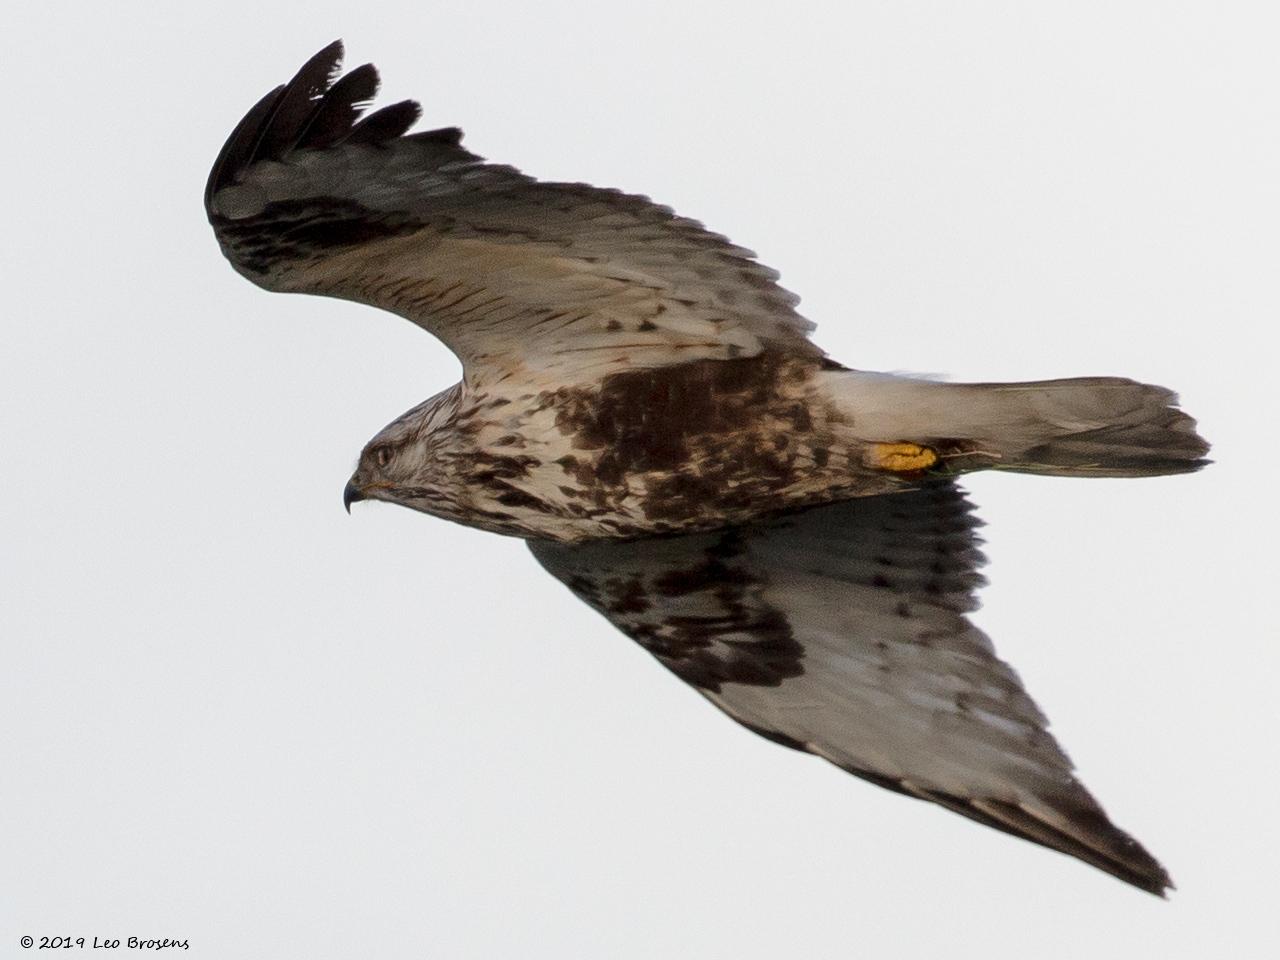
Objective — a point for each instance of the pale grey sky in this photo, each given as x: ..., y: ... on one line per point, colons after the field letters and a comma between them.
x: 233, y: 714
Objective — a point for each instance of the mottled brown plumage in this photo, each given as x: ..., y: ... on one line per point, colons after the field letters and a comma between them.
x: 640, y: 400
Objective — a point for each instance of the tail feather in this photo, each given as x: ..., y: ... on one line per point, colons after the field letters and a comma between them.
x: 1140, y: 431
x: 1168, y: 443
x: 1088, y: 426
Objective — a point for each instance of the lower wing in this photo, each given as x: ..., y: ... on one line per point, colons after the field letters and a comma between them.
x: 840, y: 630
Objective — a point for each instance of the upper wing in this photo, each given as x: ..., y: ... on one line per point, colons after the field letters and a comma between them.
x: 840, y: 630
x: 505, y: 270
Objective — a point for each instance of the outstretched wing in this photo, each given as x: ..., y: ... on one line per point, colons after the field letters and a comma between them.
x: 508, y: 271
x: 840, y: 630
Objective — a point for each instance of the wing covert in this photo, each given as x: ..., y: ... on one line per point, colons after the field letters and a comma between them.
x: 506, y: 270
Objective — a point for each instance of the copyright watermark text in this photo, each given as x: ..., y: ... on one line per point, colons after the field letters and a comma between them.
x: 103, y: 943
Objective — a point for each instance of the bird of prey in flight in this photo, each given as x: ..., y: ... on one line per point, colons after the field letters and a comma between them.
x: 641, y: 402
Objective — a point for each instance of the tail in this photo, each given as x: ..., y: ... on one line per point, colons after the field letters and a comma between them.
x: 1084, y: 427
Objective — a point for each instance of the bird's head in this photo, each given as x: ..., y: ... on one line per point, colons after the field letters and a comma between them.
x: 405, y: 462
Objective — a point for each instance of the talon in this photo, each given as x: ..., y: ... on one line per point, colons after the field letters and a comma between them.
x: 901, y: 457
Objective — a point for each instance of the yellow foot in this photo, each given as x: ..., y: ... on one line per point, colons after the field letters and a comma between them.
x: 900, y: 457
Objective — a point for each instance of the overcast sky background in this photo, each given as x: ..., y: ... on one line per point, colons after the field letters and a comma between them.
x: 233, y: 714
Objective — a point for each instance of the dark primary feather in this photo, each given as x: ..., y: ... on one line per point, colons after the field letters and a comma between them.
x: 237, y: 152
x: 840, y: 630
x: 282, y: 130
x: 312, y: 112
x: 385, y: 124
x: 337, y: 113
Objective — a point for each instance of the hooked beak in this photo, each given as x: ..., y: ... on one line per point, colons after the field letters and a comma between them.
x: 351, y: 494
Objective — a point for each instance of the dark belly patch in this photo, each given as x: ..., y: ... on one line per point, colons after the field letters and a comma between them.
x: 690, y: 439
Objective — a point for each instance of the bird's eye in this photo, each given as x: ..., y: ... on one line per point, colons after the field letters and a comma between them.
x: 382, y: 456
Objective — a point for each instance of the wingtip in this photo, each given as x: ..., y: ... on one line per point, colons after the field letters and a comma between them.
x: 317, y: 109
x: 331, y: 56
x: 1077, y: 828
x: 1143, y: 871
x: 1081, y: 829
x: 259, y: 128
x: 331, y: 53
